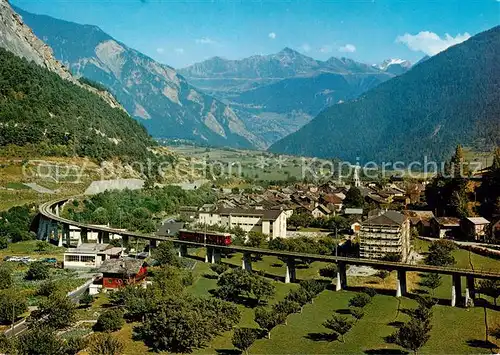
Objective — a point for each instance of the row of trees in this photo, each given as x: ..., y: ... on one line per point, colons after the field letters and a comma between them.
x: 339, y: 325
x: 269, y: 317
x: 416, y: 332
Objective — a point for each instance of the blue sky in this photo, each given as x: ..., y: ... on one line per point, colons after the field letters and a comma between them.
x: 180, y: 33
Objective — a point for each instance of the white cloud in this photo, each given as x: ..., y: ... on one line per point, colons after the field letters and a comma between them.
x: 325, y: 48
x: 160, y: 50
x: 429, y: 42
x: 205, y: 40
x: 179, y: 50
x: 348, y: 48
x: 305, y: 47
x: 272, y: 35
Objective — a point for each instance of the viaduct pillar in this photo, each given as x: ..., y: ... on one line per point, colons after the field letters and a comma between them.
x: 66, y: 235
x: 401, y: 283
x: 103, y: 237
x: 341, y: 277
x: 152, y: 245
x: 84, y: 236
x: 456, y: 290
x: 470, y: 290
x: 246, y: 262
x: 45, y: 228
x: 290, y: 271
x: 182, y: 250
x: 209, y: 255
x: 216, y: 257
x: 125, y: 242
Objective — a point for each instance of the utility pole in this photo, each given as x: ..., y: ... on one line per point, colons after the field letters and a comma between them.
x: 336, y: 244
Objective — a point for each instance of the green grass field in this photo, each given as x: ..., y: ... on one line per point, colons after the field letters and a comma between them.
x: 29, y: 248
x: 455, y: 330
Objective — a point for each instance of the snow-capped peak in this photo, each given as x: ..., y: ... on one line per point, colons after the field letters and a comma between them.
x: 393, y: 61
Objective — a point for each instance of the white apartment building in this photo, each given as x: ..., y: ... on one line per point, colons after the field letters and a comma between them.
x: 270, y: 222
x: 386, y: 233
x: 90, y: 255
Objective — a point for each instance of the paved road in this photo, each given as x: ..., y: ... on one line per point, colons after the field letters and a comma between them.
x: 21, y: 326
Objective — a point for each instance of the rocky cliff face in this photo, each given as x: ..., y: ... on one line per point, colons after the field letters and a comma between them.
x: 18, y: 38
x: 151, y: 92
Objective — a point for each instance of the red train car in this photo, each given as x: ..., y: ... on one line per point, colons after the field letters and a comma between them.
x: 215, y: 238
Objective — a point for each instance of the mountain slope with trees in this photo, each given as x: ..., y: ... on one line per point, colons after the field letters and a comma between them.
x: 19, y: 39
x: 151, y: 92
x: 56, y: 117
x: 451, y: 98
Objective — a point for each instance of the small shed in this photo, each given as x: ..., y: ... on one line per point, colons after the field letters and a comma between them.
x: 475, y: 228
x: 445, y: 227
x: 120, y: 272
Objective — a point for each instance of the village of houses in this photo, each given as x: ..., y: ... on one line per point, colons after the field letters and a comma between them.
x: 383, y: 225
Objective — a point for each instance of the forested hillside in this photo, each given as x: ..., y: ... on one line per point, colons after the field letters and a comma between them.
x: 56, y: 117
x: 451, y: 98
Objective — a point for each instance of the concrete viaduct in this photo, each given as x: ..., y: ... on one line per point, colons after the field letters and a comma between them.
x: 48, y: 221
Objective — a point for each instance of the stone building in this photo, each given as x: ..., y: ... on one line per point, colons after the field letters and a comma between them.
x: 388, y: 232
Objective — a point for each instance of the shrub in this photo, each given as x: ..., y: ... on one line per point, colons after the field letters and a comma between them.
x: 243, y: 338
x: 360, y: 300
x: 5, y: 276
x: 370, y: 291
x: 329, y: 271
x: 74, y: 345
x: 103, y: 343
x: 38, y: 271
x: 47, y: 288
x: 219, y: 269
x: 313, y: 286
x: 300, y: 295
x: 12, y: 305
x: 4, y: 242
x: 338, y: 325
x: 357, y: 312
x: 383, y: 274
x: 427, y: 301
x: 286, y: 307
x: 86, y: 299
x: 109, y: 321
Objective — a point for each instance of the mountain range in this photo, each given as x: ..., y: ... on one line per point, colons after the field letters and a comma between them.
x: 278, y: 93
x: 247, y: 103
x: 451, y: 98
x: 232, y: 76
x: 153, y: 93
